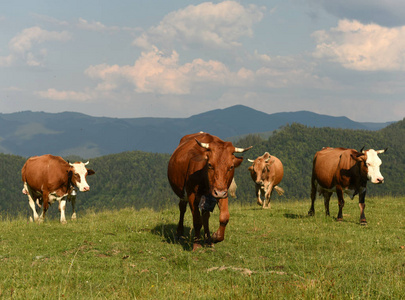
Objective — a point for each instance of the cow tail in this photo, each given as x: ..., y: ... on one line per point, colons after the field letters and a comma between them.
x: 279, y: 190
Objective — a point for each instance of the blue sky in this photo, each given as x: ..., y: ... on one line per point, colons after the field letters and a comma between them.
x: 179, y: 58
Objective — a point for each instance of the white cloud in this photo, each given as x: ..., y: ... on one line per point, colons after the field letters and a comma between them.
x: 94, y: 26
x: 54, y: 94
x: 212, y: 25
x: 21, y: 45
x: 362, y: 47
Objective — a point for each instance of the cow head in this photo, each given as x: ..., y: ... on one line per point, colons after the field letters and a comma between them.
x: 78, y: 175
x: 370, y: 164
x: 220, y: 166
x: 260, y: 167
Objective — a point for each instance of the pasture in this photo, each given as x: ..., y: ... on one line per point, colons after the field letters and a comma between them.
x: 267, y: 254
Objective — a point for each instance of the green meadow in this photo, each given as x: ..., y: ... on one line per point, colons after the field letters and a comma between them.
x: 267, y: 254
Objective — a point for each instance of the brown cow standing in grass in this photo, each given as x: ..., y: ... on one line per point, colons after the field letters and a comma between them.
x: 343, y: 170
x: 267, y: 172
x: 201, y: 169
x: 51, y: 179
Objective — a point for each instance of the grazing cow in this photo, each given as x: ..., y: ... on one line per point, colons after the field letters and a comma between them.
x: 201, y: 168
x: 342, y: 170
x: 51, y: 179
x: 267, y: 172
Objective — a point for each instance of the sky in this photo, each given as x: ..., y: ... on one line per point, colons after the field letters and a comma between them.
x: 159, y: 58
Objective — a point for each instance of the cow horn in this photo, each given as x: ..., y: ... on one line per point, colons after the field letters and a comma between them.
x: 86, y: 163
x: 204, y: 145
x: 361, y: 150
x: 241, y: 150
x: 71, y: 164
x: 251, y: 160
x: 382, y: 151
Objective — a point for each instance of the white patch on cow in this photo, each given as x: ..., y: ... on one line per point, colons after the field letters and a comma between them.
x: 80, y: 169
x: 373, y: 163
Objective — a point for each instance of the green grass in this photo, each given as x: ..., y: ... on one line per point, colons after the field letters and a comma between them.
x: 267, y: 254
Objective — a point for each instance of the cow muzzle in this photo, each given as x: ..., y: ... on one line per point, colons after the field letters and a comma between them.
x: 219, y: 194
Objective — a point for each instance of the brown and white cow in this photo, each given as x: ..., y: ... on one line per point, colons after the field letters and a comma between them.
x: 201, y: 168
x: 267, y: 172
x: 51, y: 179
x: 343, y: 170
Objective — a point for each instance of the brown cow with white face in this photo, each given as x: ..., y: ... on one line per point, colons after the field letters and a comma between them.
x: 267, y: 172
x: 51, y: 179
x: 343, y: 170
x: 201, y: 169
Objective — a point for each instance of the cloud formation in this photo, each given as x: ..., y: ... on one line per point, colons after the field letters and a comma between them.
x: 208, y: 24
x: 21, y: 45
x: 361, y: 47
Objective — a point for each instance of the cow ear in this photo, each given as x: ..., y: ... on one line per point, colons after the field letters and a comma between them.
x: 70, y: 174
x: 357, y: 157
x: 90, y: 172
x: 237, y: 161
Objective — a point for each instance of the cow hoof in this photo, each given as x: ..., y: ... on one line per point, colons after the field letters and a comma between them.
x: 311, y: 213
x: 339, y: 219
x: 216, y: 238
x: 363, y: 222
x: 196, y: 246
x: 63, y: 222
x: 259, y: 203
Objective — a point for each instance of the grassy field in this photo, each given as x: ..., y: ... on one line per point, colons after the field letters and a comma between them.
x: 267, y: 254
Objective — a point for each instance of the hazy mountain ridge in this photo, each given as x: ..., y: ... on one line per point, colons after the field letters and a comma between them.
x: 70, y: 133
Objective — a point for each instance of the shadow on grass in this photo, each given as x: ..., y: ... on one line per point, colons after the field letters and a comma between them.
x: 169, y: 235
x: 297, y: 216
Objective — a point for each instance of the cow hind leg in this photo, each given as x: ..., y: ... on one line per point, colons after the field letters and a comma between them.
x: 33, y: 208
x: 45, y: 206
x: 311, y: 211
x: 326, y: 197
x: 180, y: 225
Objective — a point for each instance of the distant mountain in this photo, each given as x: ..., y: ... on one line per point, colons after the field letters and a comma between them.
x: 74, y: 134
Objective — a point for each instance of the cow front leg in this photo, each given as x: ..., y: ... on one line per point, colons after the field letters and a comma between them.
x: 223, y: 220
x: 180, y: 225
x: 73, y: 200
x: 267, y: 198
x: 362, y: 206
x: 45, y: 206
x: 197, y: 222
x: 341, y: 203
x: 62, y: 208
x: 259, y: 201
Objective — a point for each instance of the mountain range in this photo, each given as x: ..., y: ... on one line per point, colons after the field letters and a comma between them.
x: 30, y: 133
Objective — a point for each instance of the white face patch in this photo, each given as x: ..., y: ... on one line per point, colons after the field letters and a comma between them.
x: 373, y: 163
x: 80, y: 170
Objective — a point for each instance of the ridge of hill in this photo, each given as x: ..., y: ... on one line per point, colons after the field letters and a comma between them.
x: 70, y: 133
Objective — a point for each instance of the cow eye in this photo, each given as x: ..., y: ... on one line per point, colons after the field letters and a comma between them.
x: 210, y: 166
x: 231, y: 168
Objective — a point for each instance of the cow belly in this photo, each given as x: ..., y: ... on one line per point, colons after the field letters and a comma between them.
x: 348, y: 191
x: 54, y: 197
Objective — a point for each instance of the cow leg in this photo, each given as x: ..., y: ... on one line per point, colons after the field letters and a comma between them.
x: 180, y: 225
x: 62, y: 208
x: 362, y: 206
x: 205, y: 219
x: 45, y: 206
x: 223, y: 220
x: 33, y: 208
x: 311, y: 211
x: 197, y: 222
x: 267, y: 197
x: 73, y: 200
x: 341, y: 203
x: 259, y: 201
x: 326, y: 197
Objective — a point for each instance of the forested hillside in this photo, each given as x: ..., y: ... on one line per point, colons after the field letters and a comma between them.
x: 138, y: 179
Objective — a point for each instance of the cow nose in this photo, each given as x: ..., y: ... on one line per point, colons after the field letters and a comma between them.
x: 86, y: 188
x: 380, y: 180
x: 220, y: 193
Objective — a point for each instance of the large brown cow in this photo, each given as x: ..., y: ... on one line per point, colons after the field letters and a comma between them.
x: 343, y: 170
x: 201, y: 169
x: 267, y: 172
x: 50, y: 178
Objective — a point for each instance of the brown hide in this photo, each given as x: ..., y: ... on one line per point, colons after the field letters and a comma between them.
x: 203, y: 166
x: 193, y: 168
x: 339, y: 170
x: 267, y: 172
x: 263, y: 172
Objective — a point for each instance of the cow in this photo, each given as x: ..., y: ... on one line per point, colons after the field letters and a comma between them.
x: 49, y: 178
x: 267, y: 172
x: 343, y: 170
x: 200, y: 172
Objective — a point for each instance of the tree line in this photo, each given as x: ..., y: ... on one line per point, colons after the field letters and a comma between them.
x: 138, y: 179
